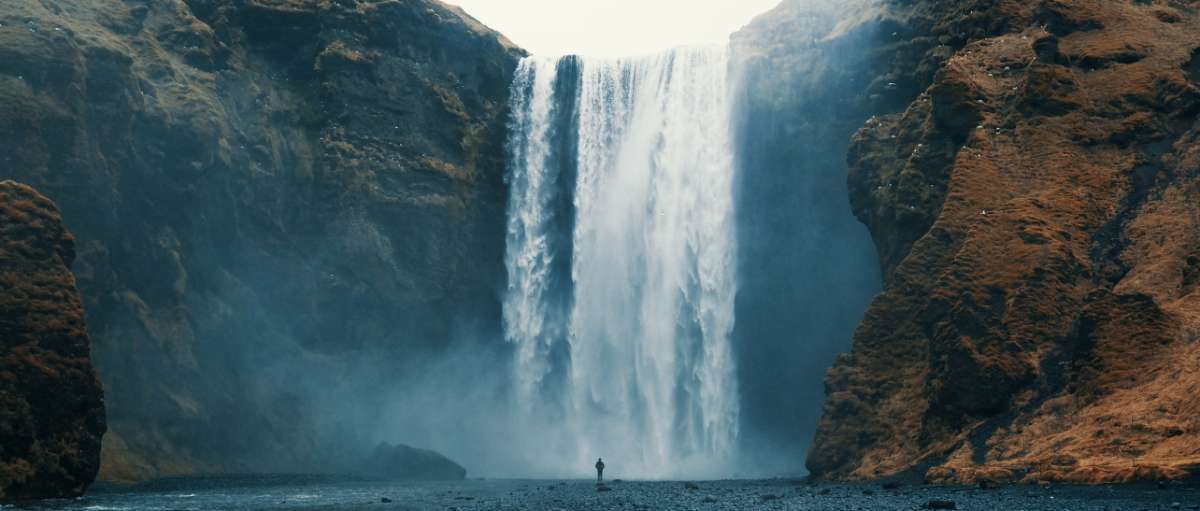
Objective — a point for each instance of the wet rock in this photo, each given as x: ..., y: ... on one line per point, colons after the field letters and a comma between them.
x: 691, y: 486
x: 940, y: 504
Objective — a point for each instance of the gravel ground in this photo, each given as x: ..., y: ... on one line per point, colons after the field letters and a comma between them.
x: 739, y: 495
x: 306, y: 493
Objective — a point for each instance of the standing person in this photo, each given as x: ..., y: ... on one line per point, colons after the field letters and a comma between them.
x: 599, y: 470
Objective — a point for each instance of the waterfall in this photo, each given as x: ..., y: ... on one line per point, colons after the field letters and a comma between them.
x: 621, y: 260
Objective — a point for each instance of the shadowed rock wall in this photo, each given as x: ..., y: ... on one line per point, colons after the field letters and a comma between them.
x: 807, y: 267
x: 269, y: 196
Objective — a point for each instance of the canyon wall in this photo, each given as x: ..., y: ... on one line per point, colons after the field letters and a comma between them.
x: 51, y: 405
x: 277, y: 202
x: 1035, y: 213
x: 283, y: 205
x: 807, y: 267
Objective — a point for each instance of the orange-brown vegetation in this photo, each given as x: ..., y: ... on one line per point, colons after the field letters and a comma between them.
x: 51, y: 406
x: 1037, y: 214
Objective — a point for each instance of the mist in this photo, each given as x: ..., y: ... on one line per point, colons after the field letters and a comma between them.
x: 805, y: 267
x: 583, y: 27
x: 804, y: 271
x: 274, y: 254
x: 808, y: 268
x: 692, y: 264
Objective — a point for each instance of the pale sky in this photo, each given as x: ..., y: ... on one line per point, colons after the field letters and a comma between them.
x: 613, y: 28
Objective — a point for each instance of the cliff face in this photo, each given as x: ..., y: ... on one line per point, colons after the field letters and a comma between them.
x: 807, y: 266
x: 266, y: 193
x: 51, y: 405
x: 1035, y: 213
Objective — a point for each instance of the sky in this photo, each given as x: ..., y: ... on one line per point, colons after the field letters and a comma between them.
x: 613, y: 28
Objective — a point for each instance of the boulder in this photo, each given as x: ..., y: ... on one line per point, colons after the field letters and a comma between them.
x: 405, y: 463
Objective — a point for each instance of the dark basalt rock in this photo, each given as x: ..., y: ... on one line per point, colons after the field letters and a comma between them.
x: 267, y: 194
x: 403, y: 463
x: 51, y: 404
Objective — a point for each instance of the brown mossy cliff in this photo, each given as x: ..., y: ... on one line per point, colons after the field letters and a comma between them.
x: 51, y: 405
x: 272, y: 198
x: 1037, y: 214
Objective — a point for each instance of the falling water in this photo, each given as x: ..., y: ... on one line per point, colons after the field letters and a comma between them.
x: 620, y: 257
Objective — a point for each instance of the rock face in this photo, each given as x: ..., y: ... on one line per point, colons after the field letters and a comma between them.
x: 807, y: 267
x: 51, y: 405
x: 1035, y: 210
x: 266, y: 193
x: 404, y: 463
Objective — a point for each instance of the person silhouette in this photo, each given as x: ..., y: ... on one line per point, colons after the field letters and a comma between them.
x: 599, y: 470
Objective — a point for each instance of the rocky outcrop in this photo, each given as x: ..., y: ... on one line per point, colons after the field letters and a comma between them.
x: 1035, y: 213
x: 275, y: 200
x: 51, y: 404
x: 403, y: 463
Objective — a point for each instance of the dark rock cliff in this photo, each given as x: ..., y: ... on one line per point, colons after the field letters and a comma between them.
x: 266, y: 193
x: 807, y: 266
x: 1035, y: 214
x: 51, y: 405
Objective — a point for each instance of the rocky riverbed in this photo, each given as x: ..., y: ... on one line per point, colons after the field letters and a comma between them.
x: 293, y: 492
